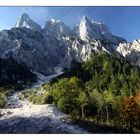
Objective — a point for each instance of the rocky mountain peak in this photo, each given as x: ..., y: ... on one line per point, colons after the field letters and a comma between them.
x: 55, y: 21
x: 25, y: 16
x: 85, y: 19
x: 25, y: 21
x: 56, y: 27
x: 86, y: 31
x: 89, y: 30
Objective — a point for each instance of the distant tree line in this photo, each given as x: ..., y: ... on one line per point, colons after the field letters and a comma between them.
x: 13, y: 73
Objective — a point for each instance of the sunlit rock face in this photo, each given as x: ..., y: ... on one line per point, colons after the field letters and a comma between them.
x: 56, y: 28
x: 131, y: 51
x: 25, y: 21
x: 89, y: 30
x: 55, y: 44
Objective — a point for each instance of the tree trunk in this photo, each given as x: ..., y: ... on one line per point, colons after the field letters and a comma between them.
x: 131, y: 126
x: 107, y: 113
x: 98, y: 116
x: 82, y: 112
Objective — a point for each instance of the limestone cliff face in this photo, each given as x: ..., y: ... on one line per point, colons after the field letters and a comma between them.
x: 42, y: 49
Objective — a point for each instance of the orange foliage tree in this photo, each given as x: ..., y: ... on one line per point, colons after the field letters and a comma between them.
x: 131, y: 111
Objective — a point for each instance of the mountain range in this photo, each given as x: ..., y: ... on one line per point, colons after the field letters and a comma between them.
x: 42, y: 49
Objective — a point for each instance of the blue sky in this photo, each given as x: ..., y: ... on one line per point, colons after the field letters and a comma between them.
x: 122, y: 21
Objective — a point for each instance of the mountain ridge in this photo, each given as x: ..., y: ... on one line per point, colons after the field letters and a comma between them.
x: 42, y: 49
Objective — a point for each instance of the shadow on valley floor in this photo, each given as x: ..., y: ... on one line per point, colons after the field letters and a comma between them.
x: 93, y: 128
x: 46, y: 125
x: 39, y: 125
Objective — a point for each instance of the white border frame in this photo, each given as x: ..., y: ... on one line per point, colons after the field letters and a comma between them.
x: 69, y: 3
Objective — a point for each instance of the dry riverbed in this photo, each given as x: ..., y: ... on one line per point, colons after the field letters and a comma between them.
x: 36, y: 119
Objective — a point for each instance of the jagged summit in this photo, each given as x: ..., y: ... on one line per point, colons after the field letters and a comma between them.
x: 85, y: 21
x: 85, y: 18
x: 55, y: 21
x: 56, y: 27
x: 25, y: 21
x: 90, y: 30
x: 25, y: 16
x: 85, y: 30
x: 96, y: 22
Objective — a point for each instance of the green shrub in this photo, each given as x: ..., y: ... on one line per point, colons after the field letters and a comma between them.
x: 41, y: 99
x: 2, y: 102
x: 48, y: 99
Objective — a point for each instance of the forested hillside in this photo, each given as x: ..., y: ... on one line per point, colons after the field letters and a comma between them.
x: 12, y: 73
x: 104, y: 90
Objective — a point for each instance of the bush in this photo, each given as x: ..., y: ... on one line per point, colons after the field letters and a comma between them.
x: 2, y: 102
x: 41, y: 99
x: 48, y: 99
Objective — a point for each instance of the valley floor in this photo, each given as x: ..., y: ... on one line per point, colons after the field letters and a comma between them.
x: 36, y: 119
